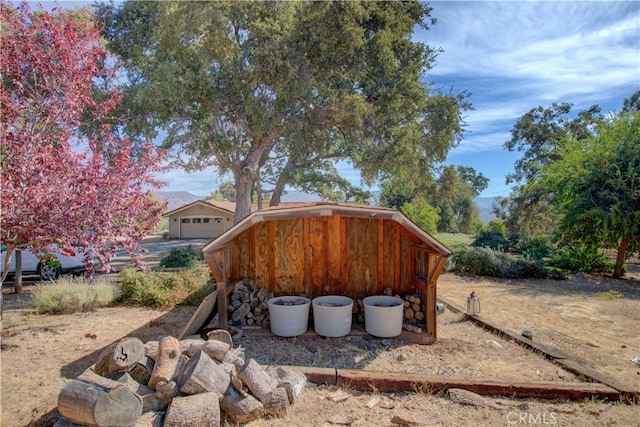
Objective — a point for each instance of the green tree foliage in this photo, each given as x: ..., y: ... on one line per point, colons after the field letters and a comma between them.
x: 452, y: 193
x: 277, y: 92
x: 225, y: 192
x: 423, y: 214
x: 596, y: 182
x: 538, y: 135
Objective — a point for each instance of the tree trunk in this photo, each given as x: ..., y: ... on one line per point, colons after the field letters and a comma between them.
x: 622, y: 250
x: 244, y: 184
x: 278, y: 190
x: 18, y: 273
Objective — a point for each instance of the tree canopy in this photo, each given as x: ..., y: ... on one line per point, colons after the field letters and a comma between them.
x: 59, y: 185
x: 277, y: 92
x: 596, y: 183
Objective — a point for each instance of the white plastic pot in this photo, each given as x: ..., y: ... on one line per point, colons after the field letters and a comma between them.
x: 332, y: 315
x: 288, y: 320
x: 383, y: 315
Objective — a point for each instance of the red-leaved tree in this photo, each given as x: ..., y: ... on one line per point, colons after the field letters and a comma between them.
x: 60, y: 185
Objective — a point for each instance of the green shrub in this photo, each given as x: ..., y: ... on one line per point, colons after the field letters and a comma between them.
x: 487, y: 262
x: 182, y: 257
x: 166, y: 289
x: 585, y: 258
x: 69, y: 295
x: 536, y: 247
x: 491, y: 239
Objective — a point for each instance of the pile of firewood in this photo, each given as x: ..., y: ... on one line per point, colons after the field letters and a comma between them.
x: 177, y: 383
x: 248, y: 304
x: 413, y: 312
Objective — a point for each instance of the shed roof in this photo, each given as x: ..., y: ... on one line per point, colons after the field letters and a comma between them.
x: 317, y: 209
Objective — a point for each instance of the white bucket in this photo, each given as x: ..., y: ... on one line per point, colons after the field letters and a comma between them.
x: 332, y: 315
x: 288, y: 320
x: 383, y: 315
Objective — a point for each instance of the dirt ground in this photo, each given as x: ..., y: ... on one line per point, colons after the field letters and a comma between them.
x: 593, y: 319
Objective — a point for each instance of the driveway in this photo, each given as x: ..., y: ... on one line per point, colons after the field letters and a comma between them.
x: 156, y: 249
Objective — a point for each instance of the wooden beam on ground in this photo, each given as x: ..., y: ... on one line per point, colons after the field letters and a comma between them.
x: 563, y: 360
x: 370, y: 381
x: 411, y: 382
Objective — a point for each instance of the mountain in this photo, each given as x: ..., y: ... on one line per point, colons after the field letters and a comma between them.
x: 175, y: 199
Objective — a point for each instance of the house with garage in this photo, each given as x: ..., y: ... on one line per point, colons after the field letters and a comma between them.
x: 202, y: 219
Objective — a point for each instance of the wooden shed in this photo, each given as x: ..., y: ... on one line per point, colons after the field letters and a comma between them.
x: 326, y: 248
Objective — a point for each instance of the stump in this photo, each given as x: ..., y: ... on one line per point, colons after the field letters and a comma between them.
x: 203, y: 374
x: 258, y: 380
x: 85, y: 403
x: 241, y: 409
x: 167, y: 361
x: 198, y: 410
x: 119, y: 356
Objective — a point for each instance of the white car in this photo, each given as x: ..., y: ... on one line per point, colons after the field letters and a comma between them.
x: 69, y: 261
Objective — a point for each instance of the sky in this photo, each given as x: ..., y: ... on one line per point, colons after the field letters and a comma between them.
x: 512, y: 56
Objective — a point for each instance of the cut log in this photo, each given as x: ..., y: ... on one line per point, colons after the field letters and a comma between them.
x: 119, y: 356
x: 89, y: 376
x: 216, y: 350
x: 199, y: 410
x: 85, y: 403
x: 151, y: 349
x: 235, y: 357
x: 419, y: 315
x: 291, y: 380
x: 278, y: 405
x: 149, y: 419
x: 202, y: 375
x: 167, y: 391
x: 408, y: 313
x: 166, y: 362
x: 220, y: 335
x: 412, y: 328
x: 258, y: 380
x: 241, y: 409
x: 126, y: 380
x: 142, y: 370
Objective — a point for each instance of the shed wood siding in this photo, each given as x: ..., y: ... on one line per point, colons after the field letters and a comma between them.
x: 359, y: 256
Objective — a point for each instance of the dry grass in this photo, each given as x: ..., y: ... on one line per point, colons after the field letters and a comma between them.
x: 41, y: 352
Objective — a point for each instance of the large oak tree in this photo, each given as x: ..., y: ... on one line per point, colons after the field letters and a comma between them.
x: 62, y: 186
x: 277, y: 92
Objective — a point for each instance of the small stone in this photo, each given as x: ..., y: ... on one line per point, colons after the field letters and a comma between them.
x: 527, y: 333
x: 402, y: 357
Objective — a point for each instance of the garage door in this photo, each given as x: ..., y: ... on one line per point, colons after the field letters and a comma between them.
x: 201, y: 228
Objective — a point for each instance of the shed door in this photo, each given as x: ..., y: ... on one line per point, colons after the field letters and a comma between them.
x: 201, y: 227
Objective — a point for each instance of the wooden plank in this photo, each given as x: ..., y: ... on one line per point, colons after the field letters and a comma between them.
x: 397, y: 262
x: 317, y: 255
x: 261, y: 254
x: 202, y: 313
x: 380, y: 254
x: 334, y: 255
x: 317, y: 375
x: 410, y: 382
x: 559, y: 358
